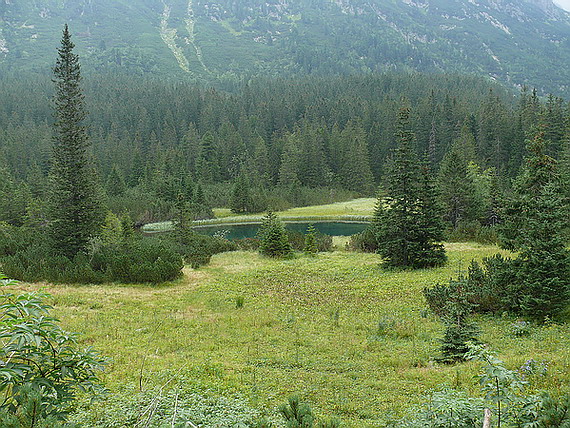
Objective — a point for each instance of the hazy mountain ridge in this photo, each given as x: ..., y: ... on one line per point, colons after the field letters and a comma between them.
x: 519, y: 42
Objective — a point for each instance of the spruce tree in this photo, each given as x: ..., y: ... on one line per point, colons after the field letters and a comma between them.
x: 310, y: 247
x: 430, y: 220
x: 457, y: 190
x: 459, y: 330
x: 274, y: 240
x: 407, y: 222
x: 116, y: 185
x: 241, y: 201
x: 75, y: 208
x: 183, y: 217
x: 535, y: 219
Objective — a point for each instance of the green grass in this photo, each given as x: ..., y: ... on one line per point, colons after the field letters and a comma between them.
x: 307, y: 325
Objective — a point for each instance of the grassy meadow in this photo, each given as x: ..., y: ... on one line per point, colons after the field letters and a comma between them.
x: 352, y: 339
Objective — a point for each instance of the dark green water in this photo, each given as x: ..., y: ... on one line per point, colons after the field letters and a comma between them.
x: 240, y: 231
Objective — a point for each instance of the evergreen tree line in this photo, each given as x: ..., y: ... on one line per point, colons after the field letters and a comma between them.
x: 153, y: 140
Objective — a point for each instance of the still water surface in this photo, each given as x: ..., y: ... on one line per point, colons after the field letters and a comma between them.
x: 240, y: 231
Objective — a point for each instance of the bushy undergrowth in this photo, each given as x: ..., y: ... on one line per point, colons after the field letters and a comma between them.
x: 503, y: 392
x: 367, y: 242
x: 322, y: 242
x: 158, y: 408
x: 26, y: 255
x: 364, y: 241
x: 296, y: 240
x: 488, y: 287
x: 502, y: 284
x: 138, y: 260
x: 473, y: 231
x: 196, y: 249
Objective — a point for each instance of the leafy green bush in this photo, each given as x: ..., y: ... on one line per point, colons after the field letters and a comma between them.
x: 473, y: 231
x: 42, y: 368
x: 158, y: 408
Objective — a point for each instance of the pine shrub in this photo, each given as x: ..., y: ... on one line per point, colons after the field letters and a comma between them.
x: 453, y: 304
x: 311, y: 241
x: 274, y: 241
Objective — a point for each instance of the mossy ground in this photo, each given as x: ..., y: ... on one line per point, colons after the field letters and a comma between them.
x: 308, y: 325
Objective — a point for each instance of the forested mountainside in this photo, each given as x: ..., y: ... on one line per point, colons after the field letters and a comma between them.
x: 516, y: 42
x: 334, y: 132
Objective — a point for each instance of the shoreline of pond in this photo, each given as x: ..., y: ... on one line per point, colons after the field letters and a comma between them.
x: 247, y: 229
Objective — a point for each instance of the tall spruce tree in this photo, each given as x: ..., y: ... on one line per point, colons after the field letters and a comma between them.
x: 408, y: 221
x: 430, y: 219
x: 457, y: 190
x: 75, y: 208
x: 535, y: 219
x: 241, y: 201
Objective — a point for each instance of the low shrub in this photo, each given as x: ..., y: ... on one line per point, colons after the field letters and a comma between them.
x: 14, y: 239
x: 364, y: 241
x: 138, y: 260
x: 196, y: 249
x: 157, y: 408
x: 473, y: 231
x: 131, y: 261
x: 323, y: 242
x: 247, y: 244
x: 488, y: 287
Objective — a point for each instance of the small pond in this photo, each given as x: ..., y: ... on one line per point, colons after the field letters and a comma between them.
x: 249, y: 230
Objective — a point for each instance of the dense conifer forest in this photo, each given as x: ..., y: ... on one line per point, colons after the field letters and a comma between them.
x: 157, y: 138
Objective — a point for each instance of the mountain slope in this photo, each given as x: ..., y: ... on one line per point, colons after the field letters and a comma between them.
x: 519, y: 42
